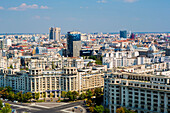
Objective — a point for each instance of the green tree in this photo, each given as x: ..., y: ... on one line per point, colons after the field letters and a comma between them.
x: 6, y: 108
x: 53, y: 66
x: 19, y: 97
x: 51, y: 95
x: 89, y: 102
x: 11, y: 96
x: 75, y: 94
x: 99, y: 109
x: 1, y: 105
x: 11, y: 66
x: 37, y: 96
x: 8, y: 88
x: 69, y: 95
x: 82, y: 96
x: 44, y: 95
x: 91, y: 109
x: 64, y: 94
x: 106, y: 110
x: 29, y: 96
x: 120, y: 110
x: 89, y: 94
x: 97, y: 91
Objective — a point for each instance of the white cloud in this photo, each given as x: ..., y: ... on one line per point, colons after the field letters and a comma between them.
x: 47, y: 18
x: 102, y: 1
x: 24, y: 6
x: 1, y: 8
x: 36, y: 17
x: 130, y: 1
x: 44, y: 7
x: 84, y: 7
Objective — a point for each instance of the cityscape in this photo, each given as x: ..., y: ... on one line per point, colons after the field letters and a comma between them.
x: 74, y: 66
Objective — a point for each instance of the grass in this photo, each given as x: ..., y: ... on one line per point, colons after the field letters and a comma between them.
x: 40, y: 100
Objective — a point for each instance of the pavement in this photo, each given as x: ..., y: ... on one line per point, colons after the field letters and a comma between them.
x: 48, y: 107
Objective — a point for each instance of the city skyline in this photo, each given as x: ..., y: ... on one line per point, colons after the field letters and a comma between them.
x: 85, y: 16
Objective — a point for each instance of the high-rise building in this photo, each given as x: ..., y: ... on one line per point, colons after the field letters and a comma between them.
x: 54, y: 33
x: 123, y: 34
x: 1, y: 44
x: 132, y: 36
x: 73, y: 43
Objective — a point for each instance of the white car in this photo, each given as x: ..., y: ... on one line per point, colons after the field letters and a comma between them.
x: 15, y: 101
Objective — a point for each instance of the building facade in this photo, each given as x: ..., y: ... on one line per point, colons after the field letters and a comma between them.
x: 74, y: 44
x: 54, y: 33
x: 139, y: 92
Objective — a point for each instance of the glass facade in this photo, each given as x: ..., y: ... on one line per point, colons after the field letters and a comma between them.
x: 123, y: 34
x: 76, y: 36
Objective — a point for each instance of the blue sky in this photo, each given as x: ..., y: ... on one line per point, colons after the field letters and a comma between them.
x: 36, y: 16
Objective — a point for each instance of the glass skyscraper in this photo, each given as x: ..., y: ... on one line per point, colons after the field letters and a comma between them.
x: 73, y: 43
x: 123, y: 34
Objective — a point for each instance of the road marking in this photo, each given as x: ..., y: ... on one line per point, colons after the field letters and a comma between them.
x: 24, y: 107
x: 66, y: 110
x: 40, y: 106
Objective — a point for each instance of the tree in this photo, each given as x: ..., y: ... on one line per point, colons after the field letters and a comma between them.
x: 89, y: 102
x: 69, y: 95
x: 11, y: 95
x: 89, y: 94
x: 1, y: 105
x: 97, y: 91
x: 44, y: 95
x: 120, y: 110
x: 82, y: 96
x: 124, y: 110
x: 19, y: 97
x: 106, y: 110
x: 75, y: 94
x: 8, y: 88
x: 99, y: 109
x: 11, y: 66
x: 6, y: 108
x: 51, y: 95
x: 29, y: 96
x: 91, y: 109
x: 37, y: 96
x: 64, y: 94
x: 53, y: 66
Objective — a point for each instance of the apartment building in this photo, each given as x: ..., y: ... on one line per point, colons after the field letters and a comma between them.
x: 142, y: 93
x: 54, y: 81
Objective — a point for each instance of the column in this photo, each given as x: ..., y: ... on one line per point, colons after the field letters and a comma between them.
x: 70, y: 83
x: 152, y: 100
x: 159, y: 99
x: 165, y: 103
x: 35, y: 84
x: 39, y: 89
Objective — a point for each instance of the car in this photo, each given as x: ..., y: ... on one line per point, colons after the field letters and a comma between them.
x: 6, y: 99
x: 15, y: 101
x: 75, y: 107
x: 13, y: 111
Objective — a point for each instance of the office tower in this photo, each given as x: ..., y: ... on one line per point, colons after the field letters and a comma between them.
x: 123, y: 34
x: 73, y: 43
x: 54, y: 33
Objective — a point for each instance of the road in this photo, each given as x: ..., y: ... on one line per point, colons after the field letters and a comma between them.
x: 46, y: 107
